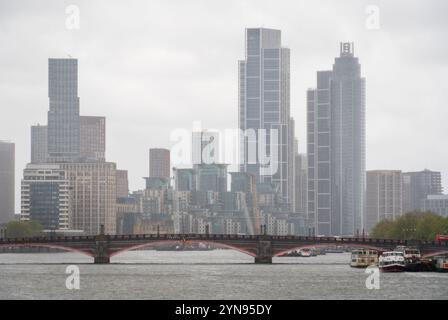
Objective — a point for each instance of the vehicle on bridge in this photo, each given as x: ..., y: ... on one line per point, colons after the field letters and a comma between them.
x: 363, y: 258
x: 392, y: 261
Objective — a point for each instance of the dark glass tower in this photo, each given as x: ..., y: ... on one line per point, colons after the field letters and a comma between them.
x: 63, y: 116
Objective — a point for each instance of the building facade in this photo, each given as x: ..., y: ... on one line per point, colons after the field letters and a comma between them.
x: 93, y: 187
x: 418, y: 185
x: 39, y: 144
x: 336, y: 147
x: 437, y: 204
x: 63, y: 116
x: 122, y: 183
x: 159, y: 163
x: 7, y: 183
x: 92, y: 138
x: 45, y: 196
x: 384, y: 197
x: 264, y: 111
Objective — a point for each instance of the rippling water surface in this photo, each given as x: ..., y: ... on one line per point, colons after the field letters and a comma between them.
x: 218, y: 274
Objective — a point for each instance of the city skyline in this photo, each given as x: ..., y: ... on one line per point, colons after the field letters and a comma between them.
x: 127, y: 121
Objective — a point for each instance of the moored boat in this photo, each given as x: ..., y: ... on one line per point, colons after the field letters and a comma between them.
x: 441, y: 264
x: 392, y: 261
x: 362, y: 258
x: 412, y: 258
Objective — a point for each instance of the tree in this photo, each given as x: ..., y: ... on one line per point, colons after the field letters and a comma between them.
x: 22, y: 229
x: 412, y: 226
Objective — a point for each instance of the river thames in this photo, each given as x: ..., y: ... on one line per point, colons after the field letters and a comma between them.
x: 217, y: 274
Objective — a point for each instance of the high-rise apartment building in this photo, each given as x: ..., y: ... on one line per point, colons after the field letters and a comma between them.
x: 122, y: 183
x: 205, y: 147
x: 336, y: 147
x: 63, y: 116
x: 39, y: 144
x: 384, y: 196
x: 264, y: 112
x: 7, y: 183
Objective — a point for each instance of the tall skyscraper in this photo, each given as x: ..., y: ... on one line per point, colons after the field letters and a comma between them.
x: 39, y: 144
x: 46, y: 196
x: 159, y: 163
x: 384, y: 192
x: 264, y: 104
x: 7, y: 184
x: 63, y: 116
x: 92, y: 138
x: 417, y: 186
x: 301, y: 174
x: 336, y: 147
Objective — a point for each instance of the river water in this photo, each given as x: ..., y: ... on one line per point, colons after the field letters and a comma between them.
x: 217, y: 274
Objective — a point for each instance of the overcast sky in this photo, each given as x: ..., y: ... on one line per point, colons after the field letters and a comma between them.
x: 152, y: 66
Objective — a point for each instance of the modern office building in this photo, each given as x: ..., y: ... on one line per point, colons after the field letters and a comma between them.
x: 63, y: 116
x: 205, y: 147
x: 92, y: 138
x: 384, y: 196
x: 7, y: 183
x: 39, y: 144
x: 436, y: 203
x: 264, y: 111
x: 417, y: 186
x: 93, y: 187
x: 159, y: 163
x: 45, y: 196
x: 122, y: 183
x: 336, y: 147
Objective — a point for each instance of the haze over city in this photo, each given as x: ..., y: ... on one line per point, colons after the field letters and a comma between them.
x: 180, y: 66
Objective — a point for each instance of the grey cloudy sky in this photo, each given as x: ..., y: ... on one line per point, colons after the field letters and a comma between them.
x: 153, y: 66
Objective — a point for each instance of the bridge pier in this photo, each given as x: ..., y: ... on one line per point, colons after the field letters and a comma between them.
x: 264, y: 253
x: 101, y: 252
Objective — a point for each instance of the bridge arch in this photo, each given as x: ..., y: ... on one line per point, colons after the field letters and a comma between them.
x: 157, y: 242
x: 47, y: 245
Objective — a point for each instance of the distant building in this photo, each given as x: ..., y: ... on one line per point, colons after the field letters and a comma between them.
x: 39, y: 144
x: 122, y: 183
x: 211, y: 177
x: 159, y: 163
x: 92, y: 138
x: 184, y: 179
x: 417, y: 186
x: 63, y: 116
x: 301, y: 183
x: 205, y: 147
x: 384, y: 194
x: 46, y: 196
x: 157, y: 183
x: 93, y: 187
x: 336, y: 147
x: 437, y: 204
x: 7, y: 183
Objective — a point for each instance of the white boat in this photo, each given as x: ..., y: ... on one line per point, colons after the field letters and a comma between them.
x: 412, y: 257
x: 392, y: 261
x: 441, y: 264
x: 306, y: 252
x: 362, y: 258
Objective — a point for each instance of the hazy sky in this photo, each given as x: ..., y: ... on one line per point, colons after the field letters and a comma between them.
x: 153, y: 66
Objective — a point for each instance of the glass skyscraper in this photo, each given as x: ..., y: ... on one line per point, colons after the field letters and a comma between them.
x: 63, y: 116
x: 264, y: 105
x: 336, y: 147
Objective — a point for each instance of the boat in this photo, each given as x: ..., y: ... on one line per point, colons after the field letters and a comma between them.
x: 392, y: 261
x: 412, y: 258
x: 362, y: 258
x: 306, y: 252
x: 441, y: 264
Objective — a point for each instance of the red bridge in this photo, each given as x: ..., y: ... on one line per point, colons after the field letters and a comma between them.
x: 261, y: 247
